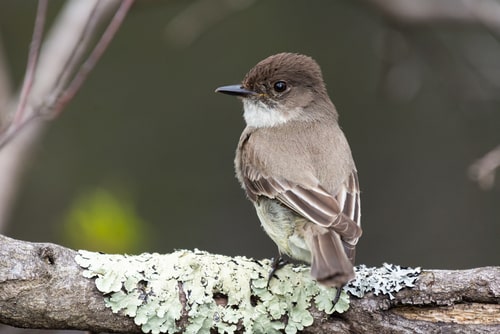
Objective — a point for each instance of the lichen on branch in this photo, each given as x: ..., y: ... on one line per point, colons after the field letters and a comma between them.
x: 195, y: 291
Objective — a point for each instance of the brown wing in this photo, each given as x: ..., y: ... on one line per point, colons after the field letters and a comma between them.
x: 349, y: 200
x: 341, y: 213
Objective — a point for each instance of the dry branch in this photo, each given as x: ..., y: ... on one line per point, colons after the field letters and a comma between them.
x: 45, y: 89
x: 41, y: 286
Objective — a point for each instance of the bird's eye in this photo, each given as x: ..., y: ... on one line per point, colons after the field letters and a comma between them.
x: 280, y: 86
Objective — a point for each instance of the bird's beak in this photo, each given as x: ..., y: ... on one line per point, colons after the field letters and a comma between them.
x: 236, y: 90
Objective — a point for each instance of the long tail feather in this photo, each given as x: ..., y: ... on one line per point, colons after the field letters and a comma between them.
x: 330, y: 264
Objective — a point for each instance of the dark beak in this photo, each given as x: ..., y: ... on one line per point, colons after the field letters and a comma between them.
x: 236, y: 90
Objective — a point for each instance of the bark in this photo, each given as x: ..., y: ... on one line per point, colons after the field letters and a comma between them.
x: 41, y: 286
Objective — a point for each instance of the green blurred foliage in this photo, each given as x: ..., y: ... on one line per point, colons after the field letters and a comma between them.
x: 106, y: 221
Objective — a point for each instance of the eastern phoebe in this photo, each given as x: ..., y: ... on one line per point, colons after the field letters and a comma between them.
x: 295, y: 165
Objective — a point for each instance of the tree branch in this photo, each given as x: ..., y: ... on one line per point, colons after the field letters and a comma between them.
x: 43, y: 85
x: 42, y: 286
x: 29, y: 76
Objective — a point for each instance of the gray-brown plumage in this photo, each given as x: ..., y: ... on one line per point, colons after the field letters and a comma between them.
x: 295, y: 165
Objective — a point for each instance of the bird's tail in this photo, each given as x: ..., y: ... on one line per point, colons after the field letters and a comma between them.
x: 330, y: 264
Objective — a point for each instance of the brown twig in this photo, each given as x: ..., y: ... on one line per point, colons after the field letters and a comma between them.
x: 94, y: 56
x: 5, y: 86
x: 54, y: 102
x: 76, y: 55
x: 36, y: 42
x: 58, y: 46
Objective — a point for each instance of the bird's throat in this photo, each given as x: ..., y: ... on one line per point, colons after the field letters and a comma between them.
x: 259, y: 115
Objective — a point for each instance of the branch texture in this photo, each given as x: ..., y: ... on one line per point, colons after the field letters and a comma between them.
x: 42, y: 286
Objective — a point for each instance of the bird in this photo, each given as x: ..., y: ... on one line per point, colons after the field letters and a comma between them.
x: 296, y: 167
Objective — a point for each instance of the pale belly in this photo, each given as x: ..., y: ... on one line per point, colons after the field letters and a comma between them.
x: 284, y: 227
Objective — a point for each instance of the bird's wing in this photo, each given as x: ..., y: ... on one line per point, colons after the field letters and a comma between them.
x: 340, y: 212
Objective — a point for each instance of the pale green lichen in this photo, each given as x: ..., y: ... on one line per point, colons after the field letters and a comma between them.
x: 147, y: 288
x: 385, y: 280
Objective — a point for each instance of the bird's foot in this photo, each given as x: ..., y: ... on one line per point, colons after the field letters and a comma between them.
x: 337, y: 296
x: 278, y: 263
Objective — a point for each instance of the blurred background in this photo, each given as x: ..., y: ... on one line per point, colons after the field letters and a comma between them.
x: 142, y: 159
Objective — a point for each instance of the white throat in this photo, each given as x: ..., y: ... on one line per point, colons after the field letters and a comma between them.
x: 259, y: 115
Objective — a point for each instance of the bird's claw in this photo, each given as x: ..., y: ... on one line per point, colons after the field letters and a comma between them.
x: 337, y: 296
x: 278, y: 263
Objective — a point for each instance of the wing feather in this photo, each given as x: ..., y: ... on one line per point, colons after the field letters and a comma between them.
x: 314, y: 203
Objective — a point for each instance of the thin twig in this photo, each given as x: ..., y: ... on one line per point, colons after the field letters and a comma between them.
x: 75, y: 57
x: 36, y: 42
x: 5, y: 86
x: 12, y: 131
x: 94, y: 56
x: 58, y: 45
x: 57, y: 104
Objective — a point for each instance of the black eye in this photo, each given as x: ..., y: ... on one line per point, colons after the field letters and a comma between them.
x: 280, y: 86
